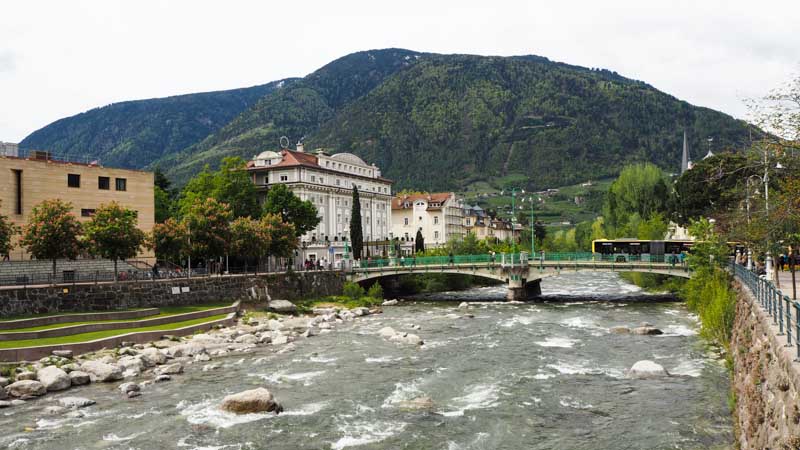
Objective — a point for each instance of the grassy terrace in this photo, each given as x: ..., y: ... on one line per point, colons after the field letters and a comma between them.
x: 85, y: 337
x: 164, y: 312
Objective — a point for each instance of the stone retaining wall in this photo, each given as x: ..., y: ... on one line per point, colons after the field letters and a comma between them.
x: 766, y: 380
x: 169, y: 292
x: 91, y: 317
x: 35, y: 353
x: 91, y: 327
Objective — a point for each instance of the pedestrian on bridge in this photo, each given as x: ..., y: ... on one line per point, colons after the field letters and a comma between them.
x: 451, y: 261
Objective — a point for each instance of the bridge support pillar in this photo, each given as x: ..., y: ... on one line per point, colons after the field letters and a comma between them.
x: 520, y: 292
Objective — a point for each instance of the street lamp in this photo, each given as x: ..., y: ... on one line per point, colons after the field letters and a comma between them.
x: 513, y: 212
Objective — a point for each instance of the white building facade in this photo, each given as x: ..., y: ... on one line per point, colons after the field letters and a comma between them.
x: 439, y: 216
x: 327, y: 182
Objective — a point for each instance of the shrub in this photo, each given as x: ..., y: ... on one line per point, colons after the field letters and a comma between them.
x: 353, y: 290
x: 375, y: 291
x: 708, y: 293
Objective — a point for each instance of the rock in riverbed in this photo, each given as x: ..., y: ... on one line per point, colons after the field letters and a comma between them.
x: 646, y: 331
x: 252, y: 401
x: 647, y: 369
x: 100, y: 371
x: 389, y: 303
x: 282, y: 307
x: 619, y: 330
x: 75, y: 402
x: 53, y: 378
x: 79, y: 378
x: 26, y: 388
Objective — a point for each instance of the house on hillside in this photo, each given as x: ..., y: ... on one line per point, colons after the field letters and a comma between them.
x: 438, y: 215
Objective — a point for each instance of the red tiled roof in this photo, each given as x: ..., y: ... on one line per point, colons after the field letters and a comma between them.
x: 436, y: 197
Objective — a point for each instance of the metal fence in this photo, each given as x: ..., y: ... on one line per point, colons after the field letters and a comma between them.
x: 784, y: 311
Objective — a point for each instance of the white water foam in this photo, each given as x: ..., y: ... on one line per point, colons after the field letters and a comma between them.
x: 114, y: 438
x: 362, y: 433
x: 569, y: 402
x: 557, y: 342
x: 479, y: 397
x: 306, y: 410
x: 382, y: 359
x: 517, y: 320
x: 283, y: 377
x: 403, y: 392
x: 678, y: 330
x: 322, y: 359
x: 585, y: 324
x: 206, y: 413
x: 580, y: 369
x: 690, y: 368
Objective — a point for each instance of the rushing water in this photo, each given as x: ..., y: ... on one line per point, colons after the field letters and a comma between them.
x: 516, y: 376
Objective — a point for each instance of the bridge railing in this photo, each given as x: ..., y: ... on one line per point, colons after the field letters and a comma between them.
x: 784, y: 311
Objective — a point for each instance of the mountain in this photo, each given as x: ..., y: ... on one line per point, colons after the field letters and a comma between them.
x: 133, y: 134
x: 442, y: 122
x: 451, y: 121
x: 295, y: 111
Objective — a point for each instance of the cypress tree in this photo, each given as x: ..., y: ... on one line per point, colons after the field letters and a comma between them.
x: 356, y: 234
x: 419, y: 245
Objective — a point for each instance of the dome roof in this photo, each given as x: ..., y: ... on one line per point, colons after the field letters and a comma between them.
x: 268, y: 155
x: 349, y: 158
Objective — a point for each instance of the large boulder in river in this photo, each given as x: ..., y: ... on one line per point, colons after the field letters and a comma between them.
x: 252, y: 401
x: 3, y: 393
x: 53, y: 378
x: 387, y: 332
x: 646, y: 331
x: 152, y: 356
x: 647, y: 369
x: 26, y: 388
x: 619, y: 330
x: 282, y: 307
x: 79, y: 378
x: 100, y: 371
x: 75, y: 402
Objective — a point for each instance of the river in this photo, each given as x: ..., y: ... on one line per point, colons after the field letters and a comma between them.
x: 516, y: 376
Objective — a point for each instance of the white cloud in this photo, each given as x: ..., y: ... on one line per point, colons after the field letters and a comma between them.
x: 67, y: 57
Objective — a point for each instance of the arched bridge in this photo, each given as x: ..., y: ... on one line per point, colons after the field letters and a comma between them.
x: 521, y: 273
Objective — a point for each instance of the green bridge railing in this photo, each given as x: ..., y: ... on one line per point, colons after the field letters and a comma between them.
x: 780, y: 307
x: 514, y: 259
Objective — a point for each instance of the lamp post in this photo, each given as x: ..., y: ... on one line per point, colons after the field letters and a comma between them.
x: 514, y: 212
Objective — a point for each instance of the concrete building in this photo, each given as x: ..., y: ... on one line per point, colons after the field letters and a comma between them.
x: 327, y: 181
x: 9, y: 149
x: 26, y: 182
x: 440, y: 217
x: 476, y: 221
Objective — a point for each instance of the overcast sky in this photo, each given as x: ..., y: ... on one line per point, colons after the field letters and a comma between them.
x: 59, y: 58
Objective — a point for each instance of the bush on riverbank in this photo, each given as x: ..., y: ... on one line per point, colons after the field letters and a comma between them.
x: 709, y: 294
x: 654, y: 282
x: 353, y: 296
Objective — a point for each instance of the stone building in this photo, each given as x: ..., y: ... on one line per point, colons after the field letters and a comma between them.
x: 26, y: 182
x: 327, y: 181
x: 438, y: 215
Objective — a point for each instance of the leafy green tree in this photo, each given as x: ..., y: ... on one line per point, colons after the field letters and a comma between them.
x: 539, y: 233
x: 233, y: 186
x: 160, y: 180
x: 375, y: 291
x: 356, y: 233
x: 7, y: 231
x: 199, y: 188
x: 112, y: 233
x: 208, y: 226
x: 419, y: 242
x: 640, y: 191
x: 170, y: 240
x: 249, y: 238
x: 301, y: 214
x: 52, y: 232
x: 282, y: 235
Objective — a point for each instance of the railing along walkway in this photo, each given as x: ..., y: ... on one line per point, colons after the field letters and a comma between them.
x: 784, y: 311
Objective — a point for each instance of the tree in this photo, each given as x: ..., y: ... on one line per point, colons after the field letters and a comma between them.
x: 282, y: 235
x: 640, y: 191
x: 112, y: 233
x: 52, y: 232
x: 356, y: 233
x: 208, y: 226
x: 7, y: 231
x: 200, y: 187
x: 170, y: 240
x: 419, y: 242
x: 232, y: 185
x: 539, y: 233
x: 163, y: 204
x: 301, y: 214
x: 160, y: 180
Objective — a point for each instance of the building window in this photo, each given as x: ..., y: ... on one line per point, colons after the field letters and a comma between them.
x: 405, y: 221
x: 436, y: 235
x: 122, y: 184
x: 284, y: 178
x: 436, y: 220
x: 18, y: 186
x: 420, y: 218
x: 103, y: 183
x: 73, y: 180
x: 87, y: 212
x: 338, y: 182
x: 313, y: 178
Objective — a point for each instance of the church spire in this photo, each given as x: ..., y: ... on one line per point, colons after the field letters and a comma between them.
x: 685, y: 157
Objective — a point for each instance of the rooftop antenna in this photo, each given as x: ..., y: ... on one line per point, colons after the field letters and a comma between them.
x: 284, y: 143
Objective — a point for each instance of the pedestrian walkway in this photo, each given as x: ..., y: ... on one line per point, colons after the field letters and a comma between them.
x: 785, y: 278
